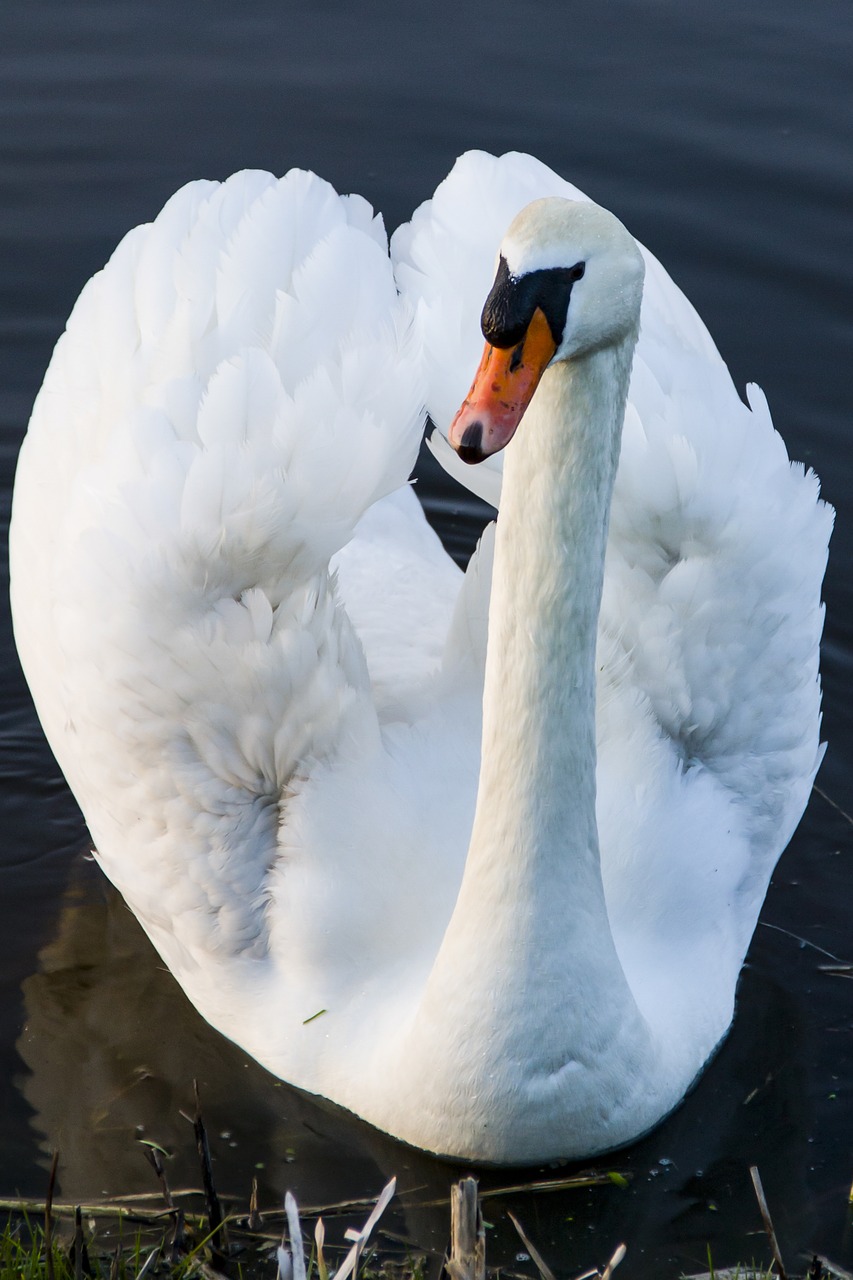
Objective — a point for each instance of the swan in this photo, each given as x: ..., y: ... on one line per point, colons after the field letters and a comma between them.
x: 477, y: 857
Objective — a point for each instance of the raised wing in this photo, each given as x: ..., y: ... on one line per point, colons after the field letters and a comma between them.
x: 233, y: 391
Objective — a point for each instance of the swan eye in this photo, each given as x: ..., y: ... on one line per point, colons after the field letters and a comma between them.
x: 513, y: 299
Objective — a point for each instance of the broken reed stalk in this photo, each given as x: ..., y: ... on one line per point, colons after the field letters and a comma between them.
x: 768, y: 1224
x: 467, y: 1259
x: 48, y: 1222
x: 216, y: 1222
x: 79, y: 1252
x: 77, y: 1247
x: 256, y: 1222
x: 152, y: 1155
x: 177, y: 1245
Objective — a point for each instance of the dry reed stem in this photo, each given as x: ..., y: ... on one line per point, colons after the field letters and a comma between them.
x: 544, y: 1270
x: 768, y: 1224
x: 256, y: 1222
x: 178, y: 1246
x: 216, y: 1222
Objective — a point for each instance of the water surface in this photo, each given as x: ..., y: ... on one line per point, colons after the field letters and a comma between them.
x: 723, y: 139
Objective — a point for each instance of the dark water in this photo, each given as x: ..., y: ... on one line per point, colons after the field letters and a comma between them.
x: 723, y: 138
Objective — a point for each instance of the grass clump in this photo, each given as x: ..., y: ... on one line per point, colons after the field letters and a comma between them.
x: 24, y: 1254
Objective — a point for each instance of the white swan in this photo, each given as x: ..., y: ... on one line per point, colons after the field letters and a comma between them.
x: 280, y: 765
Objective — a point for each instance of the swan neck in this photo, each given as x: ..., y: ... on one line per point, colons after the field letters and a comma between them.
x: 527, y: 998
x: 536, y: 799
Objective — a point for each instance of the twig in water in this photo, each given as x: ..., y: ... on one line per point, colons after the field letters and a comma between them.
x: 768, y: 1224
x: 804, y: 942
x: 829, y: 800
x: 544, y: 1270
x: 589, y: 1179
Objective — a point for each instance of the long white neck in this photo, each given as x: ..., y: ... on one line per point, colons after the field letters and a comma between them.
x: 533, y: 870
x: 527, y: 966
x: 535, y: 819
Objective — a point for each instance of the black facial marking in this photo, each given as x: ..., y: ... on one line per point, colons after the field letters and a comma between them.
x: 513, y: 299
x: 470, y: 448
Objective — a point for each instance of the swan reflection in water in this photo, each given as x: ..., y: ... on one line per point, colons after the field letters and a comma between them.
x: 111, y: 1047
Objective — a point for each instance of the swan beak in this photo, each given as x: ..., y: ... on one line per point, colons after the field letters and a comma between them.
x: 502, y: 389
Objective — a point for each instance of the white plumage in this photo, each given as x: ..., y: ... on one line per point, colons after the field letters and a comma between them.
x: 263, y: 677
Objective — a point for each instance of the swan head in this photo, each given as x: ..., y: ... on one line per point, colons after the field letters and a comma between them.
x: 569, y: 282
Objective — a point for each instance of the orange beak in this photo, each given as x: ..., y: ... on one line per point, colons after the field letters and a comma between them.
x: 502, y: 389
